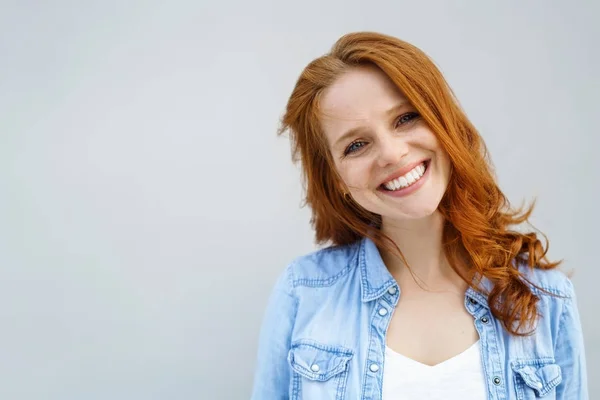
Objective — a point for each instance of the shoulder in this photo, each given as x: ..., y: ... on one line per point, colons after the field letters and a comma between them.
x: 323, y: 267
x: 551, y: 281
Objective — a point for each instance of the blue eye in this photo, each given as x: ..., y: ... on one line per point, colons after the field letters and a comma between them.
x: 405, y: 118
x: 402, y: 120
x: 354, y: 146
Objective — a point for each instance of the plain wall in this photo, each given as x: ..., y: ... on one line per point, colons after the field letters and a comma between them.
x: 147, y: 206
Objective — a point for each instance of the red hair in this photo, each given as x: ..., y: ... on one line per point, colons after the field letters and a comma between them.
x: 477, y: 215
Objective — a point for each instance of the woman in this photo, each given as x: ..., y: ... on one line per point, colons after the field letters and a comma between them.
x: 425, y: 291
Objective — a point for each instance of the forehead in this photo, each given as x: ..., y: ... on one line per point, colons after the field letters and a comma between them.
x: 360, y: 95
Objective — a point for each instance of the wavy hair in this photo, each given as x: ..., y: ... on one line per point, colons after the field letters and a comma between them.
x: 478, y: 217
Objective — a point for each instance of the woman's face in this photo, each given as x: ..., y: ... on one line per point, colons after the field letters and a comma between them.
x: 391, y: 162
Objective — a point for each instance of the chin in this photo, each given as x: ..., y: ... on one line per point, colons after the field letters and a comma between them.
x: 412, y: 215
x: 408, y: 212
x: 420, y: 205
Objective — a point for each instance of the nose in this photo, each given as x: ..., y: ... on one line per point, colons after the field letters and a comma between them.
x: 391, y: 150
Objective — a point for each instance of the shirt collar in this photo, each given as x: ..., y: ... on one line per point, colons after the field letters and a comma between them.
x: 376, y: 279
x: 483, y: 285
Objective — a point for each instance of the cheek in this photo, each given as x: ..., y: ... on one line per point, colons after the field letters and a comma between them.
x: 355, y: 175
x: 445, y: 164
x: 443, y: 159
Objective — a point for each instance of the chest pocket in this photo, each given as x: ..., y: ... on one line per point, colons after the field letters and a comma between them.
x: 318, y: 371
x: 536, y: 379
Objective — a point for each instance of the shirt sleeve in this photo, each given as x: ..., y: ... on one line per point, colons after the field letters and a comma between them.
x: 569, y: 352
x: 272, y: 376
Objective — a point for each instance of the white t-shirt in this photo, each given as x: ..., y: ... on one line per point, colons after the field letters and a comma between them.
x: 458, y: 378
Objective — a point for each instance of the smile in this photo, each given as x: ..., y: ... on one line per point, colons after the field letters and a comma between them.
x: 408, y: 179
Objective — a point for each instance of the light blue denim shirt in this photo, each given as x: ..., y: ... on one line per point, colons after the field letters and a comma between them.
x: 323, y: 336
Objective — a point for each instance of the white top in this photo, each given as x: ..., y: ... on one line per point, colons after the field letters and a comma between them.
x: 458, y: 378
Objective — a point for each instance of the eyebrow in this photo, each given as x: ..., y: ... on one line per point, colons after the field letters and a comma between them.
x: 356, y: 131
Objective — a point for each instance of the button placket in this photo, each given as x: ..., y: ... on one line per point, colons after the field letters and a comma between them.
x: 380, y: 320
x: 491, y: 359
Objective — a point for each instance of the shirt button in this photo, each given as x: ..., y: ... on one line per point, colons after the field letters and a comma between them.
x: 392, y: 290
x: 374, y: 367
x: 472, y: 301
x: 485, y: 320
x: 497, y: 380
x: 315, y: 368
x: 382, y: 311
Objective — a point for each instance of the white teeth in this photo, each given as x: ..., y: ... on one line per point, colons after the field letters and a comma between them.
x: 407, y: 179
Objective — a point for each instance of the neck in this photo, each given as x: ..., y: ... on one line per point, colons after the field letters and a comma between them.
x: 421, y: 244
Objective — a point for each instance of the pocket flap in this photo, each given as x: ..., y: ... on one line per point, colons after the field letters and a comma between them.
x: 318, y: 362
x: 542, y: 378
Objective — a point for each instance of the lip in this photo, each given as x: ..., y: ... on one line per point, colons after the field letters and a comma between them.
x: 410, y: 189
x: 403, y: 171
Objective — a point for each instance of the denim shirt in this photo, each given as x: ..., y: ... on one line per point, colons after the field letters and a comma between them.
x: 324, y: 333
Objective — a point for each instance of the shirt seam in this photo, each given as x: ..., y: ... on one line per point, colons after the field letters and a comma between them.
x: 324, y: 282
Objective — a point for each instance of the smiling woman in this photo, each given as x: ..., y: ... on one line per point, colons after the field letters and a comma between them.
x: 381, y: 147
x: 424, y: 291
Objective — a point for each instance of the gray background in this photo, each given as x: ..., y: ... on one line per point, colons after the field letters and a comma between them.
x: 146, y: 205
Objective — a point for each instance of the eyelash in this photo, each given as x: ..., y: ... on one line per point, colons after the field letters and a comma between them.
x: 349, y: 150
